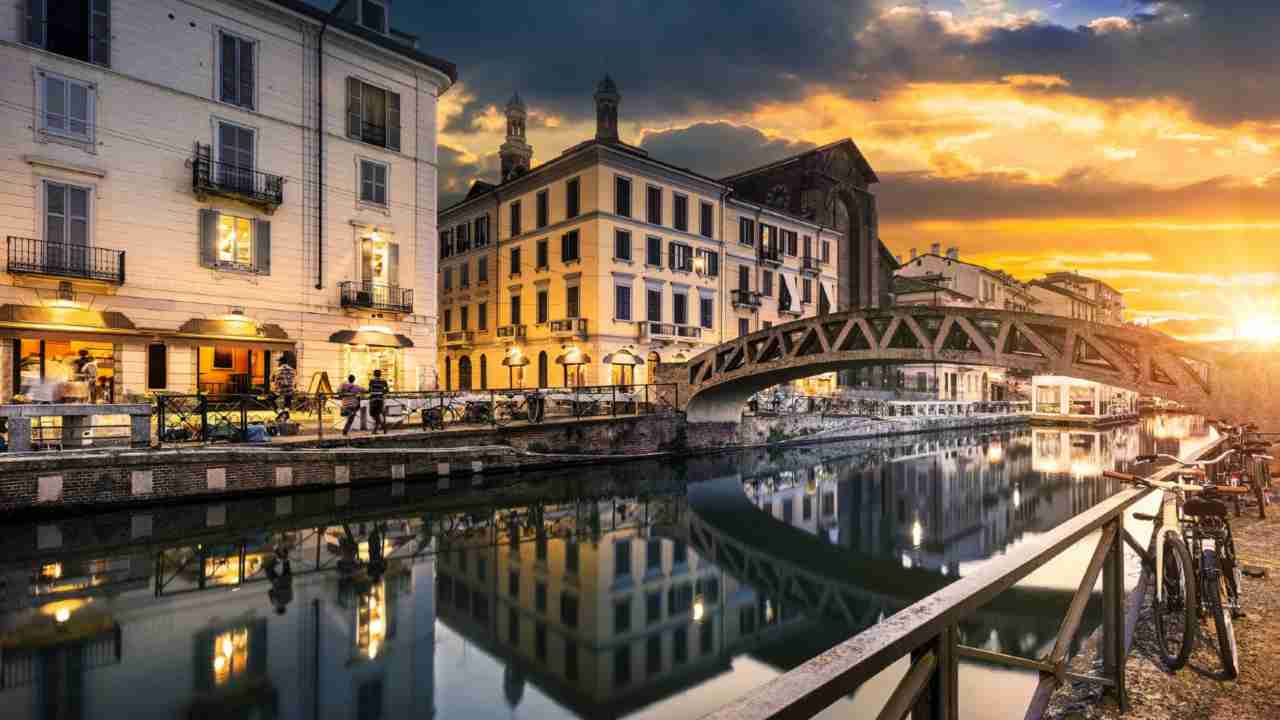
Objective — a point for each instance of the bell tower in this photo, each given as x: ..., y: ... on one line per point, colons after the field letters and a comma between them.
x: 607, y: 99
x: 515, y: 153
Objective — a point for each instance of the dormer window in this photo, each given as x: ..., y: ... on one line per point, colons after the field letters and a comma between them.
x: 373, y: 15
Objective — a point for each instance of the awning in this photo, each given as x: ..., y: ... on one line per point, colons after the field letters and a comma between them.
x: 622, y: 357
x: 232, y: 330
x: 371, y: 337
x: 515, y: 361
x: 65, y: 319
x: 573, y: 357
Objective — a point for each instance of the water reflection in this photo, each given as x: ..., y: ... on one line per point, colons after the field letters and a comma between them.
x: 665, y: 587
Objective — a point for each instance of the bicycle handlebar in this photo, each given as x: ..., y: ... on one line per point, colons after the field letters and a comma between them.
x: 1185, y: 463
x: 1165, y: 485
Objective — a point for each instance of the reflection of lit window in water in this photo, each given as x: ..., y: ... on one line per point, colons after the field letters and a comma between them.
x: 51, y: 571
x: 371, y: 621
x: 226, y: 570
x: 230, y: 655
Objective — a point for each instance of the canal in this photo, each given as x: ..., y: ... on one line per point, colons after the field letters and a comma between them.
x: 645, y: 589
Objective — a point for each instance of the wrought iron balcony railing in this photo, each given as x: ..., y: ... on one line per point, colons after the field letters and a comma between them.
x: 210, y: 177
x: 809, y: 265
x: 376, y: 296
x: 41, y: 257
x: 745, y: 298
x: 569, y: 327
x: 511, y: 331
x: 459, y: 338
x: 770, y: 254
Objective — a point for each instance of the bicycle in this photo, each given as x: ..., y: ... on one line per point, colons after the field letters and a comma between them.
x: 1250, y: 450
x: 1202, y: 523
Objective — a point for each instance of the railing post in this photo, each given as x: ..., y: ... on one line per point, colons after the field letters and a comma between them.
x: 204, y: 418
x: 244, y: 420
x: 940, y: 699
x: 160, y: 419
x: 613, y: 405
x: 1113, y: 611
x: 320, y: 416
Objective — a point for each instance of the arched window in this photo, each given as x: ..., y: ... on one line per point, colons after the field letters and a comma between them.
x: 448, y: 373
x: 464, y: 373
x: 542, y: 369
x: 484, y: 373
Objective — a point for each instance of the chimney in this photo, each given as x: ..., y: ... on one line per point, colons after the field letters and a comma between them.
x: 953, y: 253
x: 936, y: 248
x: 913, y: 253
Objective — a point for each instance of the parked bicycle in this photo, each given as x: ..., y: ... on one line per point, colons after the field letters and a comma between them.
x: 1197, y: 574
x: 1249, y: 465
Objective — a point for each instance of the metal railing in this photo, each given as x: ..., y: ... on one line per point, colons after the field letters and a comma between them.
x: 511, y: 331
x: 459, y: 338
x: 228, y: 179
x: 569, y: 327
x: 745, y: 298
x: 44, y: 257
x: 809, y: 265
x: 376, y: 296
x: 231, y: 418
x: 770, y: 254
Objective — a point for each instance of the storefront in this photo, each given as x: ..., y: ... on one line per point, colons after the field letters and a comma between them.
x: 234, y: 354
x: 63, y: 353
x: 373, y: 348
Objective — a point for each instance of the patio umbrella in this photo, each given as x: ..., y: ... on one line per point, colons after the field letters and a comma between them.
x: 512, y: 360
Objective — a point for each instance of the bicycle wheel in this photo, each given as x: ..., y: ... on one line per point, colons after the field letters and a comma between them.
x: 1214, y: 591
x: 1175, y: 614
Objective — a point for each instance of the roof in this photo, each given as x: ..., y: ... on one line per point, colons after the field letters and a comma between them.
x: 1075, y: 276
x: 907, y: 285
x: 863, y: 165
x: 999, y: 274
x: 383, y: 41
x: 1061, y: 291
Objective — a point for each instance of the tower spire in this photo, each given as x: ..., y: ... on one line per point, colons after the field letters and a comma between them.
x: 607, y: 99
x: 515, y: 153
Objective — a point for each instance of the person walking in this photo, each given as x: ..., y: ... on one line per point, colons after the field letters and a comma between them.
x: 282, y: 382
x: 350, y: 393
x: 281, y: 576
x: 378, y: 389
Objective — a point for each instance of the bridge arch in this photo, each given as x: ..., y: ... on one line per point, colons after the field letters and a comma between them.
x: 715, y: 385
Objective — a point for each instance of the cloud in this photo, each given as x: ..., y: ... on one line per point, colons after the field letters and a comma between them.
x: 1117, y: 153
x: 719, y: 149
x: 1040, y: 81
x: 1105, y: 25
x: 458, y: 169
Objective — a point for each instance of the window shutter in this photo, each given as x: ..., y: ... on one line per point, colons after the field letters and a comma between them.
x: 246, y: 73
x: 100, y: 32
x: 208, y: 237
x: 35, y: 22
x: 671, y: 257
x: 393, y: 120
x: 393, y: 264
x: 262, y: 246
x: 353, y: 107
x: 366, y: 263
x: 229, y: 47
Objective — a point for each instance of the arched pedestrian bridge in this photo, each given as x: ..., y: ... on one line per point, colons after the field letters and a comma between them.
x: 715, y: 384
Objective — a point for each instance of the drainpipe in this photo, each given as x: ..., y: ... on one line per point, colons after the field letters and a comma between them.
x: 320, y: 141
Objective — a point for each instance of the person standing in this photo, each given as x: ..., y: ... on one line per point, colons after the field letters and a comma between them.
x: 282, y: 383
x: 350, y: 392
x: 378, y: 389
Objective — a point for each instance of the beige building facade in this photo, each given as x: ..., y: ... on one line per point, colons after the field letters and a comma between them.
x: 210, y: 190
x: 596, y: 265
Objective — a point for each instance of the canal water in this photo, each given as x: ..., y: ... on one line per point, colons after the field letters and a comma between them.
x: 644, y: 589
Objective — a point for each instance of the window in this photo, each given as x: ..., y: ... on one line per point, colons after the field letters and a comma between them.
x: 74, y: 28
x: 448, y: 319
x: 622, y: 302
x: 540, y: 255
x: 746, y: 231
x: 515, y: 309
x: 515, y: 218
x: 622, y: 559
x: 446, y: 277
x: 710, y: 263
x: 769, y: 239
x: 66, y: 107
x: 66, y: 219
x: 653, y: 204
x: 569, y: 246
x: 679, y: 646
x: 826, y: 251
x: 622, y: 616
x: 543, y: 209
x: 766, y: 283
x: 789, y: 242
x: 540, y: 596
x: 464, y: 275
x: 373, y: 15
x: 482, y: 318
x: 569, y: 610
x: 653, y: 607
x: 680, y: 308
x: 744, y: 326
x: 462, y: 318
x: 621, y: 245
x: 572, y: 200
x: 653, y: 556
x: 653, y: 301
x: 482, y: 270
x: 237, y: 70
x: 706, y: 220
x: 541, y: 307
x: 462, y: 241
x: 806, y: 291
x: 680, y: 257
x: 157, y: 366
x: 679, y: 598
x: 481, y: 232
x: 744, y: 278
x: 373, y: 183
x: 808, y: 246
x: 622, y: 196
x: 680, y: 212
x: 653, y: 251
x: 231, y: 242
x: 515, y: 261
x: 235, y: 153
x: 373, y: 114
x: 571, y: 301
x: 806, y: 505
x: 706, y: 312
x: 653, y: 655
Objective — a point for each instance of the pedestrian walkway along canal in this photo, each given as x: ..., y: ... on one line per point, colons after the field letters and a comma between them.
x: 655, y: 589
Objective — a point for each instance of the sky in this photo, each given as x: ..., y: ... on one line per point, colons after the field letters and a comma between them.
x: 1138, y: 142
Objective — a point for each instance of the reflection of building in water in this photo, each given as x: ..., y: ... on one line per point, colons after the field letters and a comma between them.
x: 1177, y: 435
x: 595, y: 604
x: 1060, y: 398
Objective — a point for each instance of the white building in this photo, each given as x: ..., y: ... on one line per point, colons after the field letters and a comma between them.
x: 192, y: 190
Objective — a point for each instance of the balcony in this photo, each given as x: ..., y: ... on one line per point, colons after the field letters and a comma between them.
x: 669, y: 331
x: 459, y: 339
x: 376, y: 296
x: 569, y: 328
x: 770, y: 255
x: 809, y: 265
x: 29, y: 256
x: 210, y: 177
x: 789, y: 311
x: 512, y: 331
x: 745, y: 299
x: 689, y: 332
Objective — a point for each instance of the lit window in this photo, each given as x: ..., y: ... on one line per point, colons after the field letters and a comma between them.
x: 235, y: 241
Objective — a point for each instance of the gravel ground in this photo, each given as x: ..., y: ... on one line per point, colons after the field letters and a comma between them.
x: 1198, y: 690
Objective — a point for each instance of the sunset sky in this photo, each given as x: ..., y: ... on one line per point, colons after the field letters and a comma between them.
x: 1135, y: 141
